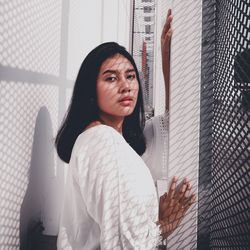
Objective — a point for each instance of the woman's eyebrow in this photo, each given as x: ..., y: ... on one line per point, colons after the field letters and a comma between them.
x: 109, y: 71
x: 117, y: 72
x: 130, y: 70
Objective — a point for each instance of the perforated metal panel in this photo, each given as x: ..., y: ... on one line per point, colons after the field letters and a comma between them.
x: 206, y: 108
x: 143, y: 47
x: 224, y: 204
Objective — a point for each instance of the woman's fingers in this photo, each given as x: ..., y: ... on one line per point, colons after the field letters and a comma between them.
x: 180, y: 192
x: 192, y: 199
x: 167, y: 24
x: 169, y: 12
x: 185, y: 196
x: 187, y: 192
x: 166, y: 36
x: 172, y: 188
x: 167, y: 30
x: 189, y: 202
x: 178, y: 201
x: 183, y: 199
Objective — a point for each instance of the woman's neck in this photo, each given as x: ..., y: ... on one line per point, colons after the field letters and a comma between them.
x: 114, y: 122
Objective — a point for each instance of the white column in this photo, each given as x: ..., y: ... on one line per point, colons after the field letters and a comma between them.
x: 185, y: 109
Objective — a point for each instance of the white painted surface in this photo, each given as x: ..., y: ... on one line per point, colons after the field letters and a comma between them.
x: 185, y: 109
x: 42, y: 45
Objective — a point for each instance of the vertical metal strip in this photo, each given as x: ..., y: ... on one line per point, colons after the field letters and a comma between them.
x: 206, y: 115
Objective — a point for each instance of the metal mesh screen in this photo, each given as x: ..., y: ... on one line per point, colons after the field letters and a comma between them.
x: 206, y: 110
x: 224, y: 204
x: 143, y: 48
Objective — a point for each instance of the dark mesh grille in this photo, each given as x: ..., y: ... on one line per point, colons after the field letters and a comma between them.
x: 206, y: 110
x: 224, y: 210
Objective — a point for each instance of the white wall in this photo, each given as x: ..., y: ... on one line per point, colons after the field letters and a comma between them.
x: 94, y: 22
x: 42, y: 44
x: 183, y: 158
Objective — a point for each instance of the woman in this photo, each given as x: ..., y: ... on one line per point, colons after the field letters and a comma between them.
x: 110, y: 199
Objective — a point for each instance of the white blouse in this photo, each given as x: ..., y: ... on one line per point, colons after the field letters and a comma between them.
x: 157, y: 138
x: 110, y: 198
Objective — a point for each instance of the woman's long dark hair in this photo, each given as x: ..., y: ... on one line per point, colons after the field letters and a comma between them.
x: 83, y: 108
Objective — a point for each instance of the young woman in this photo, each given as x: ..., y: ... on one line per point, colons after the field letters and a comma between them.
x: 110, y: 199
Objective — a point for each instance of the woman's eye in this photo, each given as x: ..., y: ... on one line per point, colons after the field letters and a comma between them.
x: 131, y: 77
x: 110, y: 79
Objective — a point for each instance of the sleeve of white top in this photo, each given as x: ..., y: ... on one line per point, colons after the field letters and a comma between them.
x: 123, y: 220
x: 161, y: 120
x: 156, y: 133
x: 158, y: 123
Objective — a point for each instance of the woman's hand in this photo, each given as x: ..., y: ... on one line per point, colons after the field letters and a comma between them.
x: 174, y: 205
x: 166, y: 37
x: 165, y: 51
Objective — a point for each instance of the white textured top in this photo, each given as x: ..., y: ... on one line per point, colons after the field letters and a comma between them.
x: 156, y: 154
x: 110, y: 198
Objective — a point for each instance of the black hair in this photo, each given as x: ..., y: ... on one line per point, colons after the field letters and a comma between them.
x: 83, y: 108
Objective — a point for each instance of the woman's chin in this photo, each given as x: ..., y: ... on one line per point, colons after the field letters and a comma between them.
x: 127, y: 112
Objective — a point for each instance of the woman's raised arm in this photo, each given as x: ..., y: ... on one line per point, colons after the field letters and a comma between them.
x: 165, y: 50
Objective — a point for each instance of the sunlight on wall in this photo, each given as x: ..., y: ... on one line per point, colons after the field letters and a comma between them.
x: 42, y: 45
x: 30, y: 35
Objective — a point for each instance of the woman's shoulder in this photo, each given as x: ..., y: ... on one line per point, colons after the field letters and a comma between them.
x: 96, y: 144
x: 97, y: 137
x: 98, y: 131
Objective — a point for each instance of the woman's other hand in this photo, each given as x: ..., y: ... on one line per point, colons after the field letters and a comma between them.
x: 166, y: 36
x: 174, y: 205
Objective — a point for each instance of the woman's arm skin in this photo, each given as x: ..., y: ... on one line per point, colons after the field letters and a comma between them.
x: 165, y: 50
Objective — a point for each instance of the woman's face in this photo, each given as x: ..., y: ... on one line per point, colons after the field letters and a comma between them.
x: 117, y: 87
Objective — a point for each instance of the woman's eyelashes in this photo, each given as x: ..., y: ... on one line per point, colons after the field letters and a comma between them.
x: 129, y: 77
x: 111, y: 79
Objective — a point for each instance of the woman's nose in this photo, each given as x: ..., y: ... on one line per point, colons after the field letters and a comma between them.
x: 125, y: 85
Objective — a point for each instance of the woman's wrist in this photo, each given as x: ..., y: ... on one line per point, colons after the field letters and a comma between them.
x: 165, y: 228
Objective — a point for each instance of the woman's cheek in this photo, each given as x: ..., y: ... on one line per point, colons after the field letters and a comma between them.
x: 136, y: 91
x: 136, y: 96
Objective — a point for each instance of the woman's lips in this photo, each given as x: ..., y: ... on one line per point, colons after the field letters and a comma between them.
x: 127, y: 98
x: 126, y: 101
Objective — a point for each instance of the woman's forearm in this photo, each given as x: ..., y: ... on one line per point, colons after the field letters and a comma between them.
x: 165, y: 51
x: 166, y: 75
